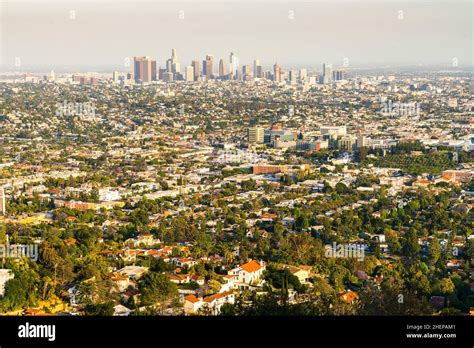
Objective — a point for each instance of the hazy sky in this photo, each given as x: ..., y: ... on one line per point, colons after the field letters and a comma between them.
x: 292, y: 33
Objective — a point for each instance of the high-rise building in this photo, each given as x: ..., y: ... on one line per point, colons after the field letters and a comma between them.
x: 246, y: 73
x: 303, y: 75
x: 169, y: 65
x: 161, y: 74
x: 292, y: 77
x: 209, y: 66
x: 189, y: 73
x: 222, y: 69
x: 176, y: 68
x: 116, y: 77
x: 197, y: 71
x: 338, y: 75
x: 255, y: 135
x: 327, y: 73
x: 277, y: 73
x: 172, y: 64
x: 153, y: 70
x: 257, y: 69
x: 233, y: 66
x: 204, y: 68
x: 143, y: 69
x: 3, y: 209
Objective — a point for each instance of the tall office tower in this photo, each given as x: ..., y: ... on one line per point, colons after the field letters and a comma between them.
x: 197, y: 71
x: 176, y: 69
x: 222, y: 69
x: 209, y: 64
x: 327, y: 73
x: 116, y: 77
x: 3, y: 209
x: 292, y: 78
x: 174, y: 56
x: 277, y: 73
x: 233, y: 66
x: 338, y: 75
x: 137, y: 68
x: 303, y: 75
x: 143, y: 67
x: 246, y: 73
x: 153, y: 70
x: 255, y: 135
x: 174, y: 65
x: 189, y: 73
x: 161, y: 73
x: 257, y: 69
x: 204, y: 68
x: 259, y: 72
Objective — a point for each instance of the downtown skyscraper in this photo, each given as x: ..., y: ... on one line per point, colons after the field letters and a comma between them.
x: 172, y: 65
x: 197, y: 70
x: 277, y: 73
x: 257, y: 69
x: 233, y: 66
x: 222, y: 69
x: 208, y: 66
x: 327, y: 73
x: 144, y: 69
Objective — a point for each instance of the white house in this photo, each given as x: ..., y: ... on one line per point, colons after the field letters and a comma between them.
x: 210, y: 304
x: 248, y: 273
x: 228, y: 283
x: 121, y: 282
x: 144, y: 239
x: 192, y: 304
x: 133, y: 272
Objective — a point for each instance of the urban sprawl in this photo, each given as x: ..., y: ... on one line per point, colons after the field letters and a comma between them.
x: 221, y: 189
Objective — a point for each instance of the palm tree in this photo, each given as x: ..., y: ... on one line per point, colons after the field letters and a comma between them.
x: 228, y: 256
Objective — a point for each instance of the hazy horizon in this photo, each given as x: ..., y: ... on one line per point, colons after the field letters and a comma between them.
x: 295, y: 34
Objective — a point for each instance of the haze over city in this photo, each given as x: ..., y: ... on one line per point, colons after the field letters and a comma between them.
x: 73, y: 35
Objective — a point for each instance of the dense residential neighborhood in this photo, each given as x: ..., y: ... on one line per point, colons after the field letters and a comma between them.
x: 228, y: 197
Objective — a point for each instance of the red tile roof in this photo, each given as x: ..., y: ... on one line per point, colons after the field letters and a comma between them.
x: 191, y: 298
x: 214, y: 297
x: 252, y: 266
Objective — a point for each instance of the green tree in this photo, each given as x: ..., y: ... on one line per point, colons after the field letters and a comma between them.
x: 434, y: 251
x: 156, y: 288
